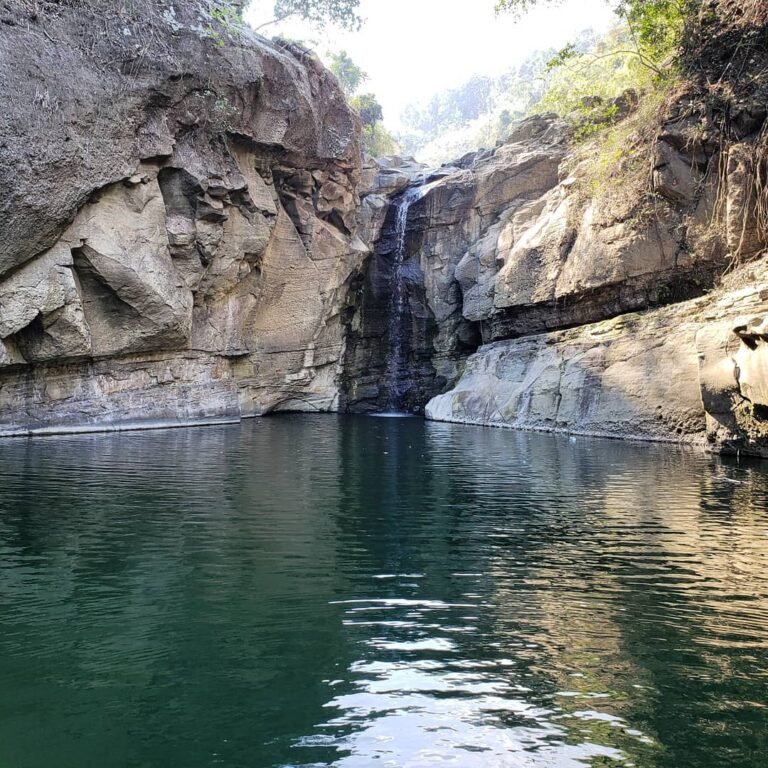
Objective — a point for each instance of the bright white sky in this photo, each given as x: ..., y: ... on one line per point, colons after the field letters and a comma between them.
x: 411, y: 49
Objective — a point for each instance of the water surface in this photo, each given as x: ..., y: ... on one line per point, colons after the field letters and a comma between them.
x: 355, y: 592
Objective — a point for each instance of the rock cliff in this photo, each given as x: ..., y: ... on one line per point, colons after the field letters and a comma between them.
x: 692, y: 372
x: 638, y: 308
x: 179, y: 206
x: 605, y: 294
x: 190, y: 235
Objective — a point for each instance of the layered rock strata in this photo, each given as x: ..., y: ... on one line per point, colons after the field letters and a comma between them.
x: 452, y: 226
x: 543, y: 294
x: 693, y: 372
x: 511, y: 257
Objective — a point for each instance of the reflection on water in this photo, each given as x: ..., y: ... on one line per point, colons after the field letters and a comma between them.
x: 353, y: 592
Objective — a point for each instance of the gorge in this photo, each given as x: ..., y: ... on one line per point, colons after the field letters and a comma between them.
x: 194, y: 236
x: 191, y: 236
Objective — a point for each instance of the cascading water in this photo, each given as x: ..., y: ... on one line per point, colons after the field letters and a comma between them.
x: 399, y: 315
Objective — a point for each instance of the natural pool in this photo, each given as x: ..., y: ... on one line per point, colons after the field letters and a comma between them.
x: 354, y: 592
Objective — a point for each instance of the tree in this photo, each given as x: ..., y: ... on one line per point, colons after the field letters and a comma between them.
x: 521, y: 7
x: 342, y: 13
x: 349, y: 75
x: 505, y: 122
x: 376, y: 140
x: 368, y: 108
x: 656, y: 26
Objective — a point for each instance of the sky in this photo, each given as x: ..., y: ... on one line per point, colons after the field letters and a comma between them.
x: 412, y: 49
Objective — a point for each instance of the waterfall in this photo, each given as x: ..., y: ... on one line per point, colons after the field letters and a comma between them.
x: 399, y: 315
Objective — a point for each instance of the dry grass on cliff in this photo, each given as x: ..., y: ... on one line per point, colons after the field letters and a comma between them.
x: 613, y: 169
x: 721, y: 80
x: 727, y: 64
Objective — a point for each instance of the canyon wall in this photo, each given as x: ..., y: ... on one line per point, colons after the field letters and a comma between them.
x: 593, y: 288
x: 179, y: 218
x: 634, y: 308
x: 691, y: 372
x: 190, y: 235
x: 637, y: 310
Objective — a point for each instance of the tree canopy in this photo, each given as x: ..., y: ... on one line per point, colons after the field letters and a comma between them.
x: 368, y: 108
x: 342, y: 13
x: 349, y: 74
x: 656, y: 26
x: 522, y: 6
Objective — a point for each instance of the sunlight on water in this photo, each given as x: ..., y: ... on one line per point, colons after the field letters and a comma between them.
x: 354, y: 592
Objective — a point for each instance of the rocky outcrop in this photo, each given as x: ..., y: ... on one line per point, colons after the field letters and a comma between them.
x: 516, y: 241
x: 450, y: 227
x: 180, y: 212
x: 692, y: 372
x: 597, y: 305
x: 558, y: 253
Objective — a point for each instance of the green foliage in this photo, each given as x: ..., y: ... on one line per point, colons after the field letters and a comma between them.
x: 226, y: 18
x: 505, y: 122
x: 582, y: 86
x: 342, y: 13
x: 228, y: 14
x: 377, y: 141
x: 615, y: 165
x: 349, y: 75
x: 368, y: 108
x: 478, y: 113
x: 656, y: 26
x: 583, y: 82
x: 521, y: 7
x: 452, y: 108
x: 562, y: 57
x: 636, y: 56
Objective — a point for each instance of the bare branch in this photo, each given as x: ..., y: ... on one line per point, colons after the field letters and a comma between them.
x: 276, y: 20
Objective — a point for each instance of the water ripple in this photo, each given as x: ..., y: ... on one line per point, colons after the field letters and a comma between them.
x: 354, y: 592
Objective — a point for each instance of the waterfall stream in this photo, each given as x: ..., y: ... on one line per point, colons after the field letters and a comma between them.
x: 396, y: 376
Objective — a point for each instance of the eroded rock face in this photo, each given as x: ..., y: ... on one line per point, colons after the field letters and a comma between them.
x: 449, y: 262
x: 574, y: 255
x: 507, y: 244
x: 594, y: 380
x: 553, y: 285
x: 694, y: 372
x: 180, y: 207
x: 189, y: 234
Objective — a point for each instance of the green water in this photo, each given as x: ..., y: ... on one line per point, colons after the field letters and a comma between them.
x: 358, y: 592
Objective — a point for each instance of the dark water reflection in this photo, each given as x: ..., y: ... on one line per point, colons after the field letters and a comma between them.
x: 360, y: 592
